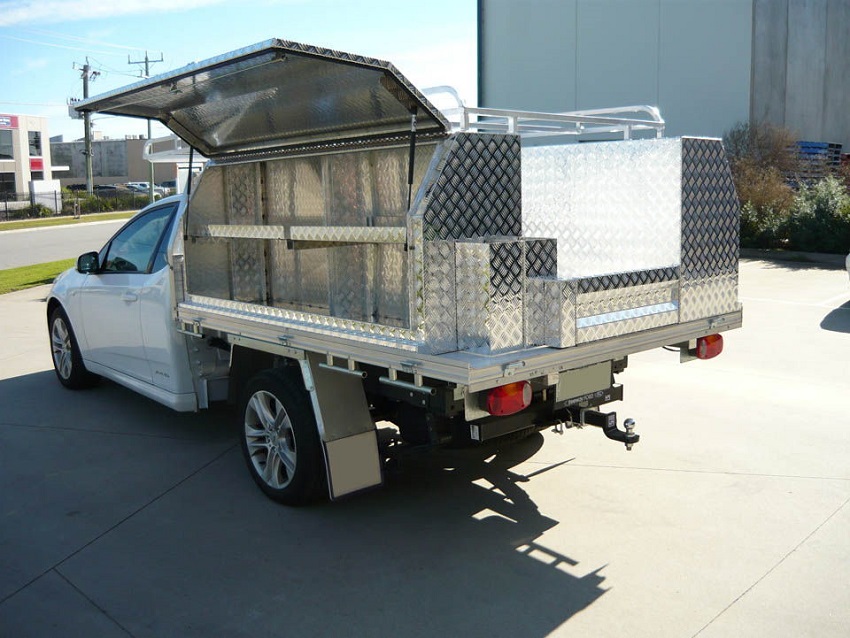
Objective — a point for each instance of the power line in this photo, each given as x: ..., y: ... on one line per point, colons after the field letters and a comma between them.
x: 57, y: 46
x: 74, y: 38
x: 147, y: 62
x: 88, y: 74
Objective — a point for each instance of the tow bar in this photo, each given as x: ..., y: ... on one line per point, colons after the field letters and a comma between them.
x: 607, y: 421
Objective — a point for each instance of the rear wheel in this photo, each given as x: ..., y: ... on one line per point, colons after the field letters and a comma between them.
x: 67, y: 361
x: 280, y: 440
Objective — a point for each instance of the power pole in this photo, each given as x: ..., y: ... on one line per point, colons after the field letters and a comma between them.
x: 147, y: 62
x: 86, y: 75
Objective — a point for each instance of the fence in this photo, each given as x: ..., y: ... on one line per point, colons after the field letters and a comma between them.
x: 816, y: 160
x: 56, y: 203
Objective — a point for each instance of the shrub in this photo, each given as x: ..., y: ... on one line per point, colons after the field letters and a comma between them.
x: 763, y: 187
x: 820, y: 218
x: 761, y: 145
x: 763, y: 227
x: 37, y: 210
x: 761, y: 158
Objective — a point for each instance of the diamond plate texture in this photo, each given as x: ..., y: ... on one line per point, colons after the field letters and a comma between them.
x: 206, y: 268
x: 356, y: 198
x: 377, y: 334
x: 439, y: 331
x: 353, y: 234
x: 225, y: 231
x: 709, y: 296
x: 466, y: 280
x: 490, y: 280
x: 626, y: 325
x: 279, y: 94
x: 349, y: 283
x: 550, y: 307
x: 390, y: 286
x: 614, y: 301
x: 541, y: 257
x: 626, y: 279
x: 206, y: 207
x: 243, y: 194
x: 478, y: 190
x: 295, y: 197
x: 613, y: 207
x: 314, y: 280
x: 247, y: 271
x: 294, y: 191
x: 247, y: 259
x: 710, y: 231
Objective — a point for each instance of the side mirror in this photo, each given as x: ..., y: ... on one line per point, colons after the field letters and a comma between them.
x: 88, y: 263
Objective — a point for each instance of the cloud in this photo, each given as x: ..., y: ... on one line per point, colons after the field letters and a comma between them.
x: 30, y: 66
x: 44, y: 11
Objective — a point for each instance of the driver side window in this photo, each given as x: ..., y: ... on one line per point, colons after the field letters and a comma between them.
x: 134, y: 248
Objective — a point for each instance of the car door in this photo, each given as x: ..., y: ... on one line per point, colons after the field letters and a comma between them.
x: 110, y: 298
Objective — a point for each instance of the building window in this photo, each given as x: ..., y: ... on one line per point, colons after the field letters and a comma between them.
x: 6, y: 145
x: 7, y: 182
x: 35, y: 143
x: 37, y: 176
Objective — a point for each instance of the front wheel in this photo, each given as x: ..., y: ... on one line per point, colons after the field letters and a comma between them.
x: 67, y: 361
x: 280, y: 440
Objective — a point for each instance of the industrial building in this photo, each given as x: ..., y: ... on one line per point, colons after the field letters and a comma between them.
x: 113, y: 162
x: 24, y: 153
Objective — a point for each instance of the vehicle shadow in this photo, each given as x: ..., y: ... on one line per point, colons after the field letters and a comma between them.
x: 838, y: 320
x: 451, y: 545
x: 490, y: 571
x: 37, y: 400
x: 774, y: 260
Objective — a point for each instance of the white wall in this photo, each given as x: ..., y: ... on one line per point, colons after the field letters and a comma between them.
x: 692, y: 58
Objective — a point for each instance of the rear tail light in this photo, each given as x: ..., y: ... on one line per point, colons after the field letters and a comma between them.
x: 509, y: 399
x: 709, y: 347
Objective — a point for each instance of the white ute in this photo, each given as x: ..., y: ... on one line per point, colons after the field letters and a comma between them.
x: 352, y: 255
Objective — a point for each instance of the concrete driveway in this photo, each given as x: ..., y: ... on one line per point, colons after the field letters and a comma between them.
x: 729, y: 518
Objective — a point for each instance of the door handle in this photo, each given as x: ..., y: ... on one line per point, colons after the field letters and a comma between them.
x: 129, y: 296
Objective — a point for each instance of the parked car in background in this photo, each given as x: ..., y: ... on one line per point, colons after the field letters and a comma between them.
x: 110, y: 190
x: 847, y: 264
x: 144, y: 187
x: 169, y: 186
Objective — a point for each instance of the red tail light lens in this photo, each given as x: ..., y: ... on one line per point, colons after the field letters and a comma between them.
x: 709, y: 347
x: 509, y: 399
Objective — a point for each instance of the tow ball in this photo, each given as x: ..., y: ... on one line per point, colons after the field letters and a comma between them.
x: 608, y: 422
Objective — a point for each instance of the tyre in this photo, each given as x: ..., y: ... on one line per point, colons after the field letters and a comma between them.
x: 280, y: 439
x: 67, y: 361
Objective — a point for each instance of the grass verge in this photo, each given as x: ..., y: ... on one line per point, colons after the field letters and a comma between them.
x: 13, y: 279
x: 64, y: 221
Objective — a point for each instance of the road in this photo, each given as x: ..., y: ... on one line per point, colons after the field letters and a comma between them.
x: 731, y: 517
x: 39, y: 245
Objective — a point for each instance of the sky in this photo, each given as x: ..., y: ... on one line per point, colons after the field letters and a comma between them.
x: 44, y: 43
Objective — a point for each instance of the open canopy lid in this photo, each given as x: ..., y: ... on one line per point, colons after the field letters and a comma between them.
x: 277, y: 95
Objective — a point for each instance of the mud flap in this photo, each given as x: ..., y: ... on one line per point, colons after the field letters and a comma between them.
x: 349, y: 437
